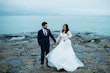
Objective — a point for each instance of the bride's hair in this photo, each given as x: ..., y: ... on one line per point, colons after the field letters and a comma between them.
x: 67, y: 28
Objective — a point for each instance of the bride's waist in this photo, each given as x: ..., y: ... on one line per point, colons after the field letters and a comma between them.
x: 65, y: 39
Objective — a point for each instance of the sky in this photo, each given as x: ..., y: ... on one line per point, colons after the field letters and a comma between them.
x: 60, y: 7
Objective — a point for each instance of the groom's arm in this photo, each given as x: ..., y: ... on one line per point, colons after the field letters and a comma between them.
x: 38, y: 37
x: 51, y: 35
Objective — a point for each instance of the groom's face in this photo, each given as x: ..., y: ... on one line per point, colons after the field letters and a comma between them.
x: 45, y: 26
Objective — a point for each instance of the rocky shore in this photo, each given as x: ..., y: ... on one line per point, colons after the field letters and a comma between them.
x: 20, y: 53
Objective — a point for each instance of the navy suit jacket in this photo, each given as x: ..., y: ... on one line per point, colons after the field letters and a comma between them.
x: 44, y: 40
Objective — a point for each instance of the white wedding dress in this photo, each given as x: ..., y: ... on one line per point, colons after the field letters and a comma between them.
x: 63, y: 56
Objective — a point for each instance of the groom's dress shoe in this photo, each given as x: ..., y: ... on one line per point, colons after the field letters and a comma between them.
x: 41, y: 66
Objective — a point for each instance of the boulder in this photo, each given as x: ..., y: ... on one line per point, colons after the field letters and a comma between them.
x: 105, y: 43
x: 17, y: 38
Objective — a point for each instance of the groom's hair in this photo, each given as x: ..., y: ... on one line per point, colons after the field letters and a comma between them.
x: 43, y: 23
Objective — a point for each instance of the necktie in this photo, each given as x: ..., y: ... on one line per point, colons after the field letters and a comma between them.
x: 45, y: 32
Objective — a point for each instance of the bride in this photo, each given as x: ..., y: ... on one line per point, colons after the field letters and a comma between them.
x: 63, y: 56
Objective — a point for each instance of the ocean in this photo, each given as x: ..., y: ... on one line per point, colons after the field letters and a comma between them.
x: 77, y: 23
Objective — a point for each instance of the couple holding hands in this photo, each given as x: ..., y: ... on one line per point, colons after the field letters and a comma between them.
x: 63, y: 55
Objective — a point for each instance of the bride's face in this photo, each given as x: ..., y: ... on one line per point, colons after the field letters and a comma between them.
x: 64, y: 28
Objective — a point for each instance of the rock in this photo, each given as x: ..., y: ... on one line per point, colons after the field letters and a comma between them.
x: 16, y: 49
x: 97, y: 40
x: 22, y: 42
x: 9, y: 36
x: 29, y: 35
x: 15, y: 62
x: 92, y: 41
x: 24, y: 52
x: 34, y: 54
x: 17, y: 38
x: 38, y: 57
x: 4, y: 68
x: 14, y: 65
x: 107, y: 49
x: 105, y: 43
x: 87, y: 37
x: 24, y: 57
x: 15, y: 70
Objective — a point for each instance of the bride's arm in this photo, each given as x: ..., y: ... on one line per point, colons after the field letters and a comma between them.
x: 69, y: 35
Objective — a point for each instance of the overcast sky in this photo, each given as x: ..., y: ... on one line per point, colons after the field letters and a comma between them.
x: 66, y: 7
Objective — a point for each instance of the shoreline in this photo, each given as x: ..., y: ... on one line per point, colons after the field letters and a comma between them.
x: 20, y: 53
x: 55, y: 31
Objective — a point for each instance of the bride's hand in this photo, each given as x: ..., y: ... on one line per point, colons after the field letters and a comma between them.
x: 64, y: 40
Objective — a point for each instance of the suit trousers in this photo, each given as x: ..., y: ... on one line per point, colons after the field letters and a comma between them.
x: 44, y: 51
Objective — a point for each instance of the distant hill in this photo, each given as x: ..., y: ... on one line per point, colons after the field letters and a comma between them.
x: 4, y: 13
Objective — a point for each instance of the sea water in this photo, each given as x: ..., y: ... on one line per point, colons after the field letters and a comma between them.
x: 77, y: 23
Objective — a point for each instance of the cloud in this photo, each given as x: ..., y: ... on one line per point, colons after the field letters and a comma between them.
x: 55, y: 6
x: 85, y: 11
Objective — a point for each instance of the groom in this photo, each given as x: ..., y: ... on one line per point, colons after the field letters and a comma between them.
x: 44, y: 42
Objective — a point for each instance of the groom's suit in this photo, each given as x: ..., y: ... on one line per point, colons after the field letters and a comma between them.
x: 44, y: 42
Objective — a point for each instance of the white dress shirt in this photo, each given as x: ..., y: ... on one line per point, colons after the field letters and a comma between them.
x: 44, y: 31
